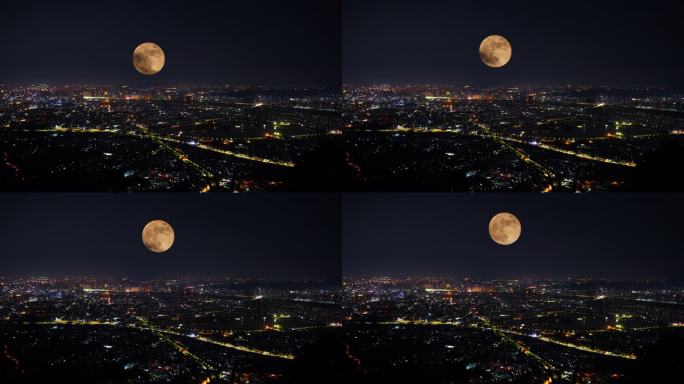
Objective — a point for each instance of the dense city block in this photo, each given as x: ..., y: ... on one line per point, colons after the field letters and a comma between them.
x: 105, y: 138
x: 532, y: 139
x: 373, y: 138
x: 374, y: 330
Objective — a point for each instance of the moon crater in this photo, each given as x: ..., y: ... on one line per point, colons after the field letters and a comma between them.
x: 158, y: 236
x: 148, y: 58
x: 505, y: 228
x: 495, y: 51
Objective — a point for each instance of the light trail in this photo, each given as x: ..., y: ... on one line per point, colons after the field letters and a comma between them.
x: 205, y: 147
x: 520, y: 346
x: 236, y: 347
x: 72, y: 322
x: 526, y: 351
x: 233, y: 154
x: 583, y: 348
x: 178, y: 154
x: 149, y: 327
x: 573, y: 153
x: 184, y: 351
x: 147, y: 135
x: 497, y: 329
x: 78, y: 130
x: 523, y: 156
x: 220, y: 343
x: 396, y: 322
x: 415, y: 130
x: 414, y: 322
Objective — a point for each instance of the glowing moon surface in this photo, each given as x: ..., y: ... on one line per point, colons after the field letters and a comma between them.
x: 495, y: 51
x: 148, y: 58
x: 505, y: 228
x: 158, y: 236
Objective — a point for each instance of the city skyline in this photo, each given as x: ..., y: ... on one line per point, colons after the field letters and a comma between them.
x: 266, y: 97
x: 372, y: 330
x: 341, y: 192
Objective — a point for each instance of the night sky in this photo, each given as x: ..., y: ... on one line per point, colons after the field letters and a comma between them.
x: 604, y: 42
x: 626, y: 236
x: 309, y: 236
x: 281, y: 237
x: 293, y: 43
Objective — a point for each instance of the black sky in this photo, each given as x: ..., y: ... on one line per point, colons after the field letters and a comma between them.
x: 282, y: 237
x: 620, y: 43
x: 626, y: 236
x: 293, y: 43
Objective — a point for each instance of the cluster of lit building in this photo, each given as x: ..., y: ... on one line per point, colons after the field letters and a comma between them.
x: 377, y: 138
x: 94, y: 138
x: 372, y: 330
x: 236, y: 331
x: 528, y: 330
x: 509, y: 138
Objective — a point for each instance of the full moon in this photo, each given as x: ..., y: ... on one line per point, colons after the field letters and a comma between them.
x: 148, y: 58
x: 158, y: 236
x: 495, y: 51
x: 505, y: 228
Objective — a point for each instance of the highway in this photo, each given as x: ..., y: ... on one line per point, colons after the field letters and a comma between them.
x: 523, y: 156
x: 205, y: 147
x: 497, y: 137
x: 232, y: 153
x: 240, y: 348
x: 146, y: 326
x: 176, y: 153
x: 507, y: 331
x: 580, y: 155
x: 571, y: 345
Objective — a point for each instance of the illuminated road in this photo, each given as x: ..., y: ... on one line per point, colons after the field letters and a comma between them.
x: 526, y: 351
x: 220, y: 343
x: 184, y: 351
x: 497, y: 329
x: 571, y: 345
x: 511, y: 139
x: 518, y: 345
x: 548, y: 173
x: 205, y: 147
x: 233, y: 154
x: 291, y: 357
x: 176, y: 153
x: 149, y: 327
x: 72, y: 322
x: 573, y: 153
x: 523, y: 156
x: 240, y: 348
